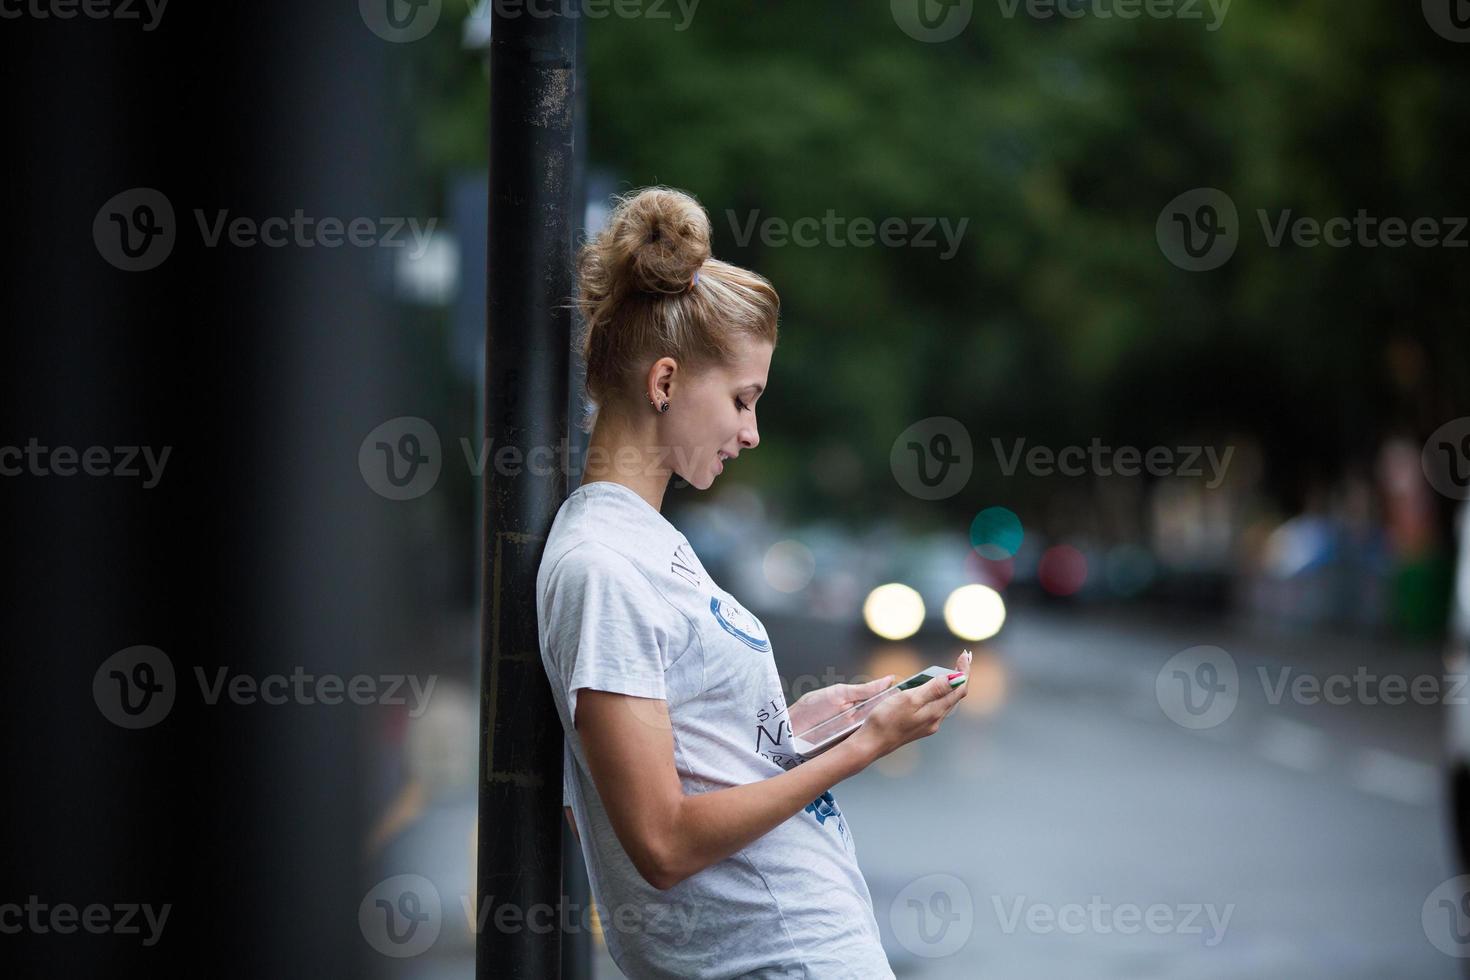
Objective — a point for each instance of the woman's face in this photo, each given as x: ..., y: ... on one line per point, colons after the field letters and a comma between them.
x: 713, y: 414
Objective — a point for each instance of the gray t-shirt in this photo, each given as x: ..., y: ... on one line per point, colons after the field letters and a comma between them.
x: 624, y: 605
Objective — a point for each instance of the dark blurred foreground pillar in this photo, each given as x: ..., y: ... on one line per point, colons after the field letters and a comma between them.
x: 532, y: 109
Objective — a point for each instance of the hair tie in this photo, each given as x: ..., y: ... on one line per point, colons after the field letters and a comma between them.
x: 695, y: 280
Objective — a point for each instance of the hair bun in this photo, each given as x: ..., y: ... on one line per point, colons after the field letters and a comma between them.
x: 659, y: 238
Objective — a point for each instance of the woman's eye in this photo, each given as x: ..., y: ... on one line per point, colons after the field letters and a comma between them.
x: 741, y: 404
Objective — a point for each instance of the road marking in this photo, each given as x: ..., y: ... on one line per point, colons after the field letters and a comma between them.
x: 1396, y: 777
x: 1293, y: 745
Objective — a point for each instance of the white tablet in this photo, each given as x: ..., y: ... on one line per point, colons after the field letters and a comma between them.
x: 822, y: 736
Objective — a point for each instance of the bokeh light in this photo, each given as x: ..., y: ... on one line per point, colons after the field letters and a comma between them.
x: 788, y: 566
x: 995, y: 533
x: 1063, y: 570
x: 1129, y: 570
x: 894, y: 611
x: 974, y: 612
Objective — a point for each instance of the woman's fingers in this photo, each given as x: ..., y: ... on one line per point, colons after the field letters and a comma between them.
x: 876, y: 686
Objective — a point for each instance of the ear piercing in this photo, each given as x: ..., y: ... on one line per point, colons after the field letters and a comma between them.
x: 662, y: 408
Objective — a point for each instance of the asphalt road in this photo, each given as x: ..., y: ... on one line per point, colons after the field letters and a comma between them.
x: 1068, y: 827
x: 1064, y: 825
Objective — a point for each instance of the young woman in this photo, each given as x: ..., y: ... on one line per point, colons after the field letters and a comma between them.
x: 712, y: 848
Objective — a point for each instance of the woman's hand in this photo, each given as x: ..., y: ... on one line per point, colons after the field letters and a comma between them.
x: 815, y: 707
x: 912, y: 714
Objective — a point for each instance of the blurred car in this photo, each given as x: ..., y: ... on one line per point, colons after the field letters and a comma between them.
x: 929, y: 585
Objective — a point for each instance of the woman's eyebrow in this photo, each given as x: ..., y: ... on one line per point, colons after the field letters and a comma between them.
x: 756, y: 385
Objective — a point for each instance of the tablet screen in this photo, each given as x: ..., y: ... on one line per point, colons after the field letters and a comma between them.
x: 854, y: 715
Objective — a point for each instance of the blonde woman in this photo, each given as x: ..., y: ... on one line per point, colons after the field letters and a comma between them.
x: 713, y: 849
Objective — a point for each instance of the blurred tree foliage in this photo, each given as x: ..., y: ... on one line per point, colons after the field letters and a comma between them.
x: 1059, y: 319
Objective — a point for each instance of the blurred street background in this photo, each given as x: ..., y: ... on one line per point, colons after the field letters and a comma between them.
x: 1294, y: 519
x: 1125, y: 345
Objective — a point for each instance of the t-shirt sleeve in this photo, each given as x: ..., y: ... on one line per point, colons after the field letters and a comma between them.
x: 609, y: 628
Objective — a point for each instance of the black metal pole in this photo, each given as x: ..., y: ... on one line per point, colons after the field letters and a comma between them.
x: 576, y: 950
x: 532, y: 109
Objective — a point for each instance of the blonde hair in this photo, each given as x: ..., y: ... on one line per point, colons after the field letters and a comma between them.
x: 647, y: 287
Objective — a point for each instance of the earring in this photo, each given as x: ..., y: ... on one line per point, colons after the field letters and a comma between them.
x: 662, y: 408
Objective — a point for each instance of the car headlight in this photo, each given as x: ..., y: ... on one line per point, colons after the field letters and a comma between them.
x: 974, y: 612
x: 894, y: 611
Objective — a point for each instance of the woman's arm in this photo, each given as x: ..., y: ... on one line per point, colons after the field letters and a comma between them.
x: 669, y: 835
